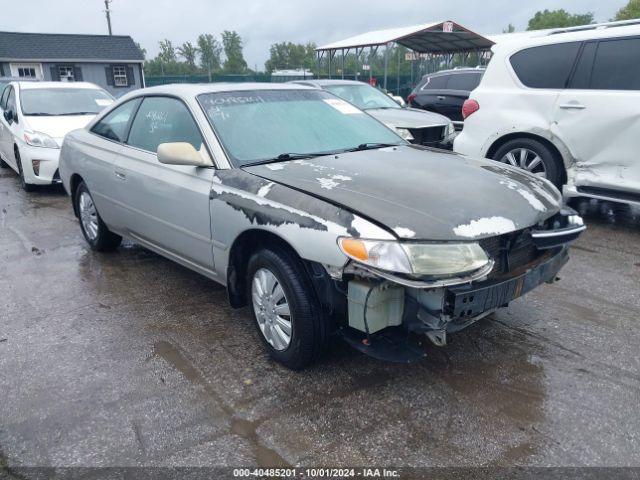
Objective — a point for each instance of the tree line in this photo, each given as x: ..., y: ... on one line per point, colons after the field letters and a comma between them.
x: 210, y: 55
x: 207, y: 56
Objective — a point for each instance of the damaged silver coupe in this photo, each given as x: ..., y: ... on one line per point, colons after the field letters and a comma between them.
x: 315, y: 215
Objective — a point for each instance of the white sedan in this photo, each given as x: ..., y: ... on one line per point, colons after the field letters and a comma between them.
x: 35, y: 118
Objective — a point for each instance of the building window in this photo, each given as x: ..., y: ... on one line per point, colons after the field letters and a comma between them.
x: 66, y: 73
x: 120, y: 76
x: 26, y: 72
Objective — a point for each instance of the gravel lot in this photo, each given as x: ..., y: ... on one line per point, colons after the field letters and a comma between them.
x: 128, y: 359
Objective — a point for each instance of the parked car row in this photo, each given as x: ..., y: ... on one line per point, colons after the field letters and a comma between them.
x: 315, y: 214
x: 416, y: 126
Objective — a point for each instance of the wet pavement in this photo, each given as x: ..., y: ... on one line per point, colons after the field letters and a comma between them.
x: 129, y: 359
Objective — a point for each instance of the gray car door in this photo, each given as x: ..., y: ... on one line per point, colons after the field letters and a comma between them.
x: 167, y: 206
x: 104, y: 150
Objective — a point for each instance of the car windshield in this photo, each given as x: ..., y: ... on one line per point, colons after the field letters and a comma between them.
x: 63, y: 101
x: 363, y: 96
x: 267, y: 124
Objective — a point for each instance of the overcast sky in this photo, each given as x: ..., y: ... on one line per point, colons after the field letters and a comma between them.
x: 263, y: 22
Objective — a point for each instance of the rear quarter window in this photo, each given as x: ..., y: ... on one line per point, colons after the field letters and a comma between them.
x: 436, y: 83
x: 464, y: 81
x: 547, y: 66
x: 617, y: 65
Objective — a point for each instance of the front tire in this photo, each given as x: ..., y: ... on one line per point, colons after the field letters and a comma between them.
x: 285, y: 309
x: 27, y: 187
x: 533, y: 156
x: 95, y: 232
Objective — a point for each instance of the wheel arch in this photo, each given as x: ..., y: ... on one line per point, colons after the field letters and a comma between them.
x: 499, y: 142
x: 251, y: 241
x: 74, y: 183
x: 244, y: 245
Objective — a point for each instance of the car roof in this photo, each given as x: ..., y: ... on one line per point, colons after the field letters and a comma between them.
x: 455, y: 71
x: 588, y: 33
x: 31, y: 85
x: 17, y: 80
x: 322, y: 83
x: 193, y: 89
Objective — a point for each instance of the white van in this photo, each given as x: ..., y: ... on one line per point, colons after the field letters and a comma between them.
x: 566, y: 106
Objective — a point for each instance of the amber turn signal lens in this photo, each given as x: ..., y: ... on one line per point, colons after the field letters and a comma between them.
x: 354, y: 248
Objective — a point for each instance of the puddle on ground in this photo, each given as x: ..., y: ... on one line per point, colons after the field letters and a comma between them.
x: 265, y: 457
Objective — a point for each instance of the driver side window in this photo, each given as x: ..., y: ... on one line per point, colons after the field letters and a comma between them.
x: 163, y: 120
x: 11, y: 104
x: 114, y: 125
x: 5, y: 96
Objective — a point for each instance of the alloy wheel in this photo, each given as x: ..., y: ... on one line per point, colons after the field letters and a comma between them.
x: 527, y: 160
x: 271, y: 309
x: 88, y: 215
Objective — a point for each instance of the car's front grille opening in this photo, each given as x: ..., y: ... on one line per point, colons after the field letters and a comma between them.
x: 429, y: 136
x: 510, y: 251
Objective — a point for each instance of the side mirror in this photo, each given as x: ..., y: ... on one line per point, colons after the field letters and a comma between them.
x: 8, y: 116
x: 182, y: 153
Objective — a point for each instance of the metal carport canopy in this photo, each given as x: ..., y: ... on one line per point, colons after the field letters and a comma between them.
x: 439, y: 37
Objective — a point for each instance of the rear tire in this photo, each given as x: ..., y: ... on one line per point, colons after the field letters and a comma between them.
x: 95, y: 232
x: 27, y: 187
x: 308, y: 332
x: 533, y: 156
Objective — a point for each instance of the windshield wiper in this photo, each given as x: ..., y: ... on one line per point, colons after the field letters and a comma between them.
x: 46, y: 114
x: 283, y: 157
x: 77, y: 113
x: 372, y: 146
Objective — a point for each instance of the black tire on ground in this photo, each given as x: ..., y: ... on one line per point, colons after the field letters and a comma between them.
x: 551, y: 163
x: 105, y: 240
x: 27, y: 187
x: 309, y: 326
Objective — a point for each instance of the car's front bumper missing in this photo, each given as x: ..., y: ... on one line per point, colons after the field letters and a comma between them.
x: 434, y: 313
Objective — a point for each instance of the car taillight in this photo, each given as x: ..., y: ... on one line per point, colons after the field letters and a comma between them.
x: 469, y: 107
x: 410, y: 98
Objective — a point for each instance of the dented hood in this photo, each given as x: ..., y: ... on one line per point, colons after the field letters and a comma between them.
x: 423, y: 194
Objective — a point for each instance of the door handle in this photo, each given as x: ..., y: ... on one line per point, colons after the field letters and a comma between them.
x: 572, y: 106
x: 440, y: 97
x: 120, y: 176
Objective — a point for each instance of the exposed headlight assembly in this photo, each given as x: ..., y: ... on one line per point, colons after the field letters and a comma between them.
x: 449, y: 130
x: 416, y: 259
x: 39, y: 139
x: 404, y: 133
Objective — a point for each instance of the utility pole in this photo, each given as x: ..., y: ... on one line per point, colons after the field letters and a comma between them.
x: 108, y: 13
